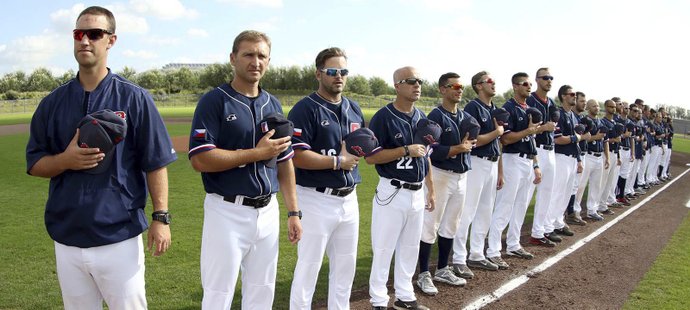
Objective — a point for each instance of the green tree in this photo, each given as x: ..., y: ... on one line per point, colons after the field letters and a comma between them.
x: 509, y: 94
x: 467, y: 95
x: 309, y: 81
x: 181, y: 79
x: 65, y: 77
x: 127, y: 73
x: 358, y: 84
x: 430, y: 89
x: 379, y: 86
x: 292, y: 78
x: 41, y: 80
x: 151, y: 79
x: 13, y: 81
x: 215, y: 74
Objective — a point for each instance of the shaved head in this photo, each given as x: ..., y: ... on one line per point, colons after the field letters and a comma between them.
x: 403, y: 73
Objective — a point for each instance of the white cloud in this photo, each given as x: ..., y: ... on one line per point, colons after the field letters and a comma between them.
x: 29, y: 52
x: 140, y: 54
x: 263, y: 3
x: 65, y: 19
x: 162, y: 41
x: 196, y: 32
x: 265, y: 26
x: 163, y: 9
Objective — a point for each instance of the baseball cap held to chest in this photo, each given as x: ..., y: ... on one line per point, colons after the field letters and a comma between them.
x: 103, y: 130
x: 283, y: 128
x: 428, y: 132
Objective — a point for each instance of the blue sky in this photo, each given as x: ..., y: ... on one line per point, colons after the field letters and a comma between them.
x: 631, y: 49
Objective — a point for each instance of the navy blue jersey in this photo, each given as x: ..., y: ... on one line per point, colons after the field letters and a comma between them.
x: 639, y: 150
x: 228, y: 120
x: 546, y: 137
x: 320, y: 126
x: 596, y: 145
x: 450, y: 135
x: 613, y: 146
x: 566, y: 127
x: 649, y: 132
x: 519, y: 121
x: 670, y: 135
x: 87, y: 210
x: 482, y: 113
x: 395, y: 129
x: 582, y: 144
x: 625, y: 142
x: 658, y: 138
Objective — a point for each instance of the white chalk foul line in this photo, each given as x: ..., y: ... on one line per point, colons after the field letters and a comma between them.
x: 522, y: 279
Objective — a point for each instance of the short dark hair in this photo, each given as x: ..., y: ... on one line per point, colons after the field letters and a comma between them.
x: 579, y: 94
x: 616, y: 99
x: 541, y: 69
x: 443, y: 80
x: 328, y: 54
x: 639, y: 101
x: 97, y: 10
x: 476, y: 78
x: 251, y: 36
x: 562, y: 92
x: 517, y: 76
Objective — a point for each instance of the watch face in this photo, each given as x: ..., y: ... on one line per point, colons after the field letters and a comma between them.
x: 164, y: 218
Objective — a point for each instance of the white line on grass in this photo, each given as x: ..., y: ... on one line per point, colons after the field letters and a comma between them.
x: 522, y: 279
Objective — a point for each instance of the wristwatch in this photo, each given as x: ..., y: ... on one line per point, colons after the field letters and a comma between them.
x: 295, y: 213
x: 162, y: 216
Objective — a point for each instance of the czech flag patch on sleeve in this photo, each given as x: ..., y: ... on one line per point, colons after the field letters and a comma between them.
x: 199, y: 134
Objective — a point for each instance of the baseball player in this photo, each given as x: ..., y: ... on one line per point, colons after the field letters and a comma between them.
x: 574, y: 204
x: 649, y: 142
x: 631, y: 185
x: 397, y: 213
x: 326, y: 176
x: 669, y: 144
x: 597, y: 164
x: 627, y: 153
x: 568, y: 162
x: 665, y: 159
x: 609, y: 182
x: 546, y: 158
x: 95, y: 208
x: 520, y: 170
x: 657, y: 133
x: 232, y: 148
x: 450, y: 161
x: 486, y: 178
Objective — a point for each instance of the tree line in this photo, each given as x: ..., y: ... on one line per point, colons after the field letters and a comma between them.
x: 293, y: 79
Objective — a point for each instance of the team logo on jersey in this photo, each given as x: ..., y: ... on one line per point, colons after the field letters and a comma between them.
x: 231, y: 117
x: 264, y: 127
x: 520, y: 118
x: 354, y: 126
x: 199, y: 134
x: 398, y: 135
x: 121, y: 114
x: 325, y: 123
x: 297, y: 132
x: 448, y: 129
x: 484, y: 119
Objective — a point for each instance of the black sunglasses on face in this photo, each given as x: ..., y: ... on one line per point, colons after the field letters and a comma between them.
x: 92, y: 34
x: 546, y: 77
x: 411, y: 81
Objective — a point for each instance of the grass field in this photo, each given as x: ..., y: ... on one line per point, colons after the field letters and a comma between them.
x: 28, y: 271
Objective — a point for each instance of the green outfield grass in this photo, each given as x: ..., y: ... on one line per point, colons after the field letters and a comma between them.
x: 173, y: 281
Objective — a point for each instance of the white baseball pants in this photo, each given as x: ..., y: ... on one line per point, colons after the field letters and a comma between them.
x: 547, y: 163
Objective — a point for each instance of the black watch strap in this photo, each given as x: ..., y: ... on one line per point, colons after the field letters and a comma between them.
x: 161, y: 216
x: 295, y: 213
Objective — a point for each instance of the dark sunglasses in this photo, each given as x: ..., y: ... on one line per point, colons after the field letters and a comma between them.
x: 92, y: 34
x: 334, y: 71
x: 570, y: 94
x: 411, y: 81
x: 488, y: 81
x: 525, y: 84
x: 546, y: 77
x: 455, y: 86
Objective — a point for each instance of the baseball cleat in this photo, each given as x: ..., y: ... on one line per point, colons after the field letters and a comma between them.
x: 482, y: 264
x: 553, y: 237
x: 541, y: 242
x: 447, y: 276
x: 607, y: 212
x: 521, y: 253
x: 498, y: 261
x: 565, y: 231
x: 425, y: 284
x: 595, y: 216
x: 463, y: 271
x: 403, y: 305
x: 575, y: 219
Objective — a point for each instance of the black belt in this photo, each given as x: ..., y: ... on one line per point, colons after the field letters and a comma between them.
x: 410, y: 186
x: 490, y: 158
x: 595, y: 154
x: 625, y: 148
x: 571, y: 155
x: 546, y: 147
x: 336, y: 192
x: 583, y: 153
x: 525, y: 155
x: 258, y: 202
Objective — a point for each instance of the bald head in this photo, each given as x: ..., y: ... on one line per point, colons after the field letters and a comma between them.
x: 404, y: 73
x: 592, y: 102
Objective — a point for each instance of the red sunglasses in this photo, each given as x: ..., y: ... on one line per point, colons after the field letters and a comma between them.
x: 92, y: 34
x: 525, y: 84
x: 455, y: 86
x: 488, y: 81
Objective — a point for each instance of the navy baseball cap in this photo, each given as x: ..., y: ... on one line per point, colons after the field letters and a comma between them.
x: 361, y: 142
x: 619, y: 129
x: 554, y: 114
x: 501, y: 115
x: 630, y: 127
x: 102, y: 129
x: 580, y: 129
x: 471, y: 126
x: 589, y: 124
x: 283, y: 128
x: 428, y: 132
x: 603, y: 129
x: 535, y: 113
